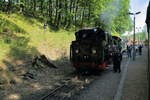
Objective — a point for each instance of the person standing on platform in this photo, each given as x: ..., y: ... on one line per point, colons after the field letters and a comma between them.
x: 117, y: 58
x: 129, y: 49
x: 140, y: 50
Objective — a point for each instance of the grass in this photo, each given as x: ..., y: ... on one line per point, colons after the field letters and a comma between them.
x: 22, y: 36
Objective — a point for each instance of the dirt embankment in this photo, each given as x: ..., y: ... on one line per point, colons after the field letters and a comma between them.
x: 20, y: 79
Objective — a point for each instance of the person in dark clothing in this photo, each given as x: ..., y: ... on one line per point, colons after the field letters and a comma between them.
x: 140, y: 50
x: 117, y: 58
x: 45, y: 26
x: 129, y: 49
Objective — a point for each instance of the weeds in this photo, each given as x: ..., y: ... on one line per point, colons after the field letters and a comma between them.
x: 23, y: 36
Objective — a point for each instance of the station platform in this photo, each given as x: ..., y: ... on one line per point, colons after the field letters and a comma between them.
x: 136, y: 82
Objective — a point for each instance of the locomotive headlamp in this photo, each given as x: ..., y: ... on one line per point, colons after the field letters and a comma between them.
x: 95, y: 30
x: 76, y: 51
x: 93, y: 51
x: 84, y: 36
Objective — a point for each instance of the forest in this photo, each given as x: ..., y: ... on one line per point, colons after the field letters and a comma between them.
x: 111, y: 15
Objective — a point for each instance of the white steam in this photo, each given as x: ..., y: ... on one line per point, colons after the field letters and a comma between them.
x: 111, y: 11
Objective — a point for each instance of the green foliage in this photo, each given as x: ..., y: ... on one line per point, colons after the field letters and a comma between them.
x: 138, y: 36
x: 34, y: 40
x: 19, y: 49
x: 141, y: 35
x: 9, y: 26
x: 6, y: 26
x: 29, y: 16
x: 111, y: 15
x: 114, y: 15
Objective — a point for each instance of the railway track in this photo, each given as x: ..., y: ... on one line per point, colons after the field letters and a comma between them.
x: 60, y: 93
x: 71, y: 86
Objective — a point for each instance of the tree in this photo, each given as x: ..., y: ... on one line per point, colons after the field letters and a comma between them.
x: 110, y: 15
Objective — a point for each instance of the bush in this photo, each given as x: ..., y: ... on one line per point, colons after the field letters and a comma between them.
x: 6, y: 30
x: 7, y: 40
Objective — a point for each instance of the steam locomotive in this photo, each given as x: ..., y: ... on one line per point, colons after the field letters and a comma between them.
x: 92, y: 49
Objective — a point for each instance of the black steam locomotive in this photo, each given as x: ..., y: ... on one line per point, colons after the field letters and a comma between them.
x: 91, y: 50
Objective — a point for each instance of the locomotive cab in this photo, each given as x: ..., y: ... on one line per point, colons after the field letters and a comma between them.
x: 89, y: 48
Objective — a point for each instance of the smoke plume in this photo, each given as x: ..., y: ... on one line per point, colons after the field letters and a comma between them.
x: 111, y: 12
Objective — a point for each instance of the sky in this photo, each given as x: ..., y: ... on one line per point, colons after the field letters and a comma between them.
x: 136, y: 6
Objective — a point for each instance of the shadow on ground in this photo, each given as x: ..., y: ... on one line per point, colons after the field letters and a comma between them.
x: 25, y: 81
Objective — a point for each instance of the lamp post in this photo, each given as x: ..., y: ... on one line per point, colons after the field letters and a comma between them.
x: 134, y: 53
x: 139, y: 37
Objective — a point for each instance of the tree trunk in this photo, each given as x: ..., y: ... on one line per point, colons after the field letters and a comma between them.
x: 56, y: 12
x: 76, y: 10
x: 83, y: 16
x: 73, y: 10
x: 89, y: 12
x: 70, y: 16
x: 50, y: 11
x: 71, y: 1
x: 41, y: 6
x: 9, y: 6
x: 34, y: 5
x: 17, y: 1
x: 66, y: 12
x: 59, y: 13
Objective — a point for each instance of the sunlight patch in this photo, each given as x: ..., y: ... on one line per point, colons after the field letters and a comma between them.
x: 37, y: 86
x: 14, y: 97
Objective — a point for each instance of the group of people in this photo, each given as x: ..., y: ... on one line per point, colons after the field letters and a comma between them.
x: 137, y: 49
x: 117, y: 56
